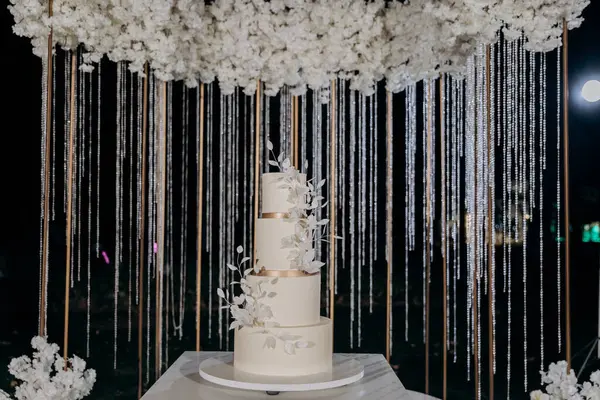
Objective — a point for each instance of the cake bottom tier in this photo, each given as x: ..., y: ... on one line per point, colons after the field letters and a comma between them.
x: 284, y: 351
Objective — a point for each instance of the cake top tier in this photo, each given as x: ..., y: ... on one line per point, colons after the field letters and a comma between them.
x: 278, y: 196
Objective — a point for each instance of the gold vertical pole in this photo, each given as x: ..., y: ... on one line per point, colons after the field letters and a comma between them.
x: 160, y: 230
x: 256, y: 160
x: 490, y: 244
x: 142, y: 232
x: 565, y: 61
x: 428, y: 190
x: 69, y: 203
x: 199, y: 228
x: 48, y: 127
x: 295, y: 132
x: 444, y: 238
x: 388, y: 229
x: 332, y: 221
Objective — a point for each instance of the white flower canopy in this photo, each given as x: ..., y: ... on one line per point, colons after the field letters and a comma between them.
x: 299, y: 43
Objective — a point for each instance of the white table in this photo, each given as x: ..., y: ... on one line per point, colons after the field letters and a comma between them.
x: 182, y: 381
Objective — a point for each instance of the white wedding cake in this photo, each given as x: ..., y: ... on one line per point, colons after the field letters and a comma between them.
x: 278, y: 327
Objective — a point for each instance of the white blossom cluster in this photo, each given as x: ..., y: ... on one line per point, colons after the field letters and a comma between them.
x: 561, y: 384
x: 298, y: 43
x: 47, y: 376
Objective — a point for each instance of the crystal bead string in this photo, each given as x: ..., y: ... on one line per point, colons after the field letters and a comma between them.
x: 69, y: 211
x: 184, y: 210
x: 542, y: 168
x: 118, y: 203
x: 373, y: 193
x: 89, y: 216
x: 352, y: 210
x: 46, y: 127
x: 389, y: 222
x: 558, y: 200
x: 130, y: 232
x: 53, y: 134
x: 362, y: 206
x: 210, y: 98
x: 410, y: 199
x: 150, y: 209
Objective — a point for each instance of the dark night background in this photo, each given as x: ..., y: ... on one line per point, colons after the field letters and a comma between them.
x: 19, y: 240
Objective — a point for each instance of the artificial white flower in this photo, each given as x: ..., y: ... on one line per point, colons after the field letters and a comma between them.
x: 298, y: 43
x: 46, y: 376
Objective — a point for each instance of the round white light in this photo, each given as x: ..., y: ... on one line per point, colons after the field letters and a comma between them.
x: 591, y: 91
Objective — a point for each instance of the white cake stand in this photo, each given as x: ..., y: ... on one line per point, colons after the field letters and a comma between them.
x: 220, y: 371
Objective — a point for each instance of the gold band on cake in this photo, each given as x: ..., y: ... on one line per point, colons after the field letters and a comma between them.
x: 284, y: 273
x: 277, y: 215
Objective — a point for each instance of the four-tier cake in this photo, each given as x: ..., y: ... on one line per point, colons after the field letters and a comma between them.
x: 278, y: 327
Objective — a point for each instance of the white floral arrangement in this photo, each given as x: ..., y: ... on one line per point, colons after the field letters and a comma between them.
x: 48, y: 376
x: 248, y: 309
x: 305, y: 198
x: 561, y: 384
x: 299, y: 43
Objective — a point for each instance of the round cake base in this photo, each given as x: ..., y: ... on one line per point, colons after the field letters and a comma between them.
x: 220, y: 371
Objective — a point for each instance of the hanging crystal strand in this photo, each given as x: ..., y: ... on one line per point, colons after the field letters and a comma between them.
x: 117, y: 257
x: 408, y: 195
x: 321, y: 151
x: 431, y: 155
x: 66, y: 119
x: 99, y: 126
x: 42, y: 285
x: 558, y: 192
x: 230, y: 206
x: 446, y: 218
x: 222, y: 249
x: 482, y: 186
x: 512, y: 121
x: 303, y: 119
x: 184, y: 229
x: 505, y: 128
x: 352, y: 209
x: 130, y: 198
x: 375, y: 164
x: 161, y: 162
x: 373, y: 194
x: 455, y: 212
x: 249, y: 177
x: 234, y: 152
x: 73, y: 184
x: 169, y: 248
x: 53, y: 173
x: 150, y: 238
x: 81, y: 126
x: 267, y: 123
x: 361, y: 207
x: 341, y: 108
x: 492, y: 188
x: 425, y: 227
x: 89, y: 217
x: 138, y: 187
x: 525, y: 199
x: 319, y: 143
x: 209, y: 195
x: 542, y: 168
x: 470, y: 195
x: 282, y: 121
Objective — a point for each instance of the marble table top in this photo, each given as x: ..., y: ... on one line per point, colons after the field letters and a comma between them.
x: 182, y: 381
